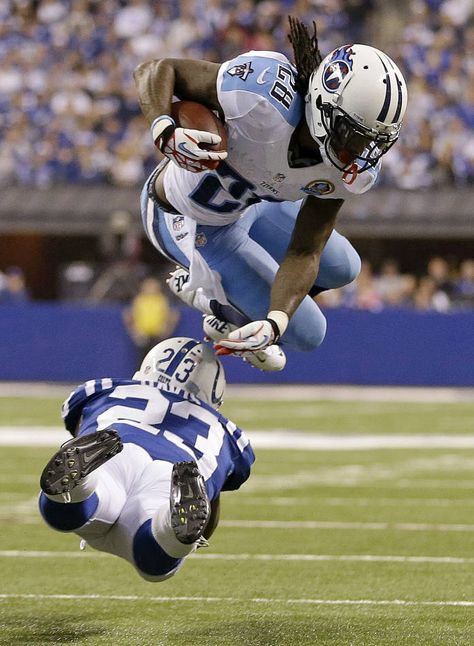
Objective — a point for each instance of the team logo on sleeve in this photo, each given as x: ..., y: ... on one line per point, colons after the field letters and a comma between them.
x: 337, y: 68
x: 318, y: 187
x: 241, y: 71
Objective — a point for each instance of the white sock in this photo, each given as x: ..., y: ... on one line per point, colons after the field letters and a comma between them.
x: 165, y: 536
x: 83, y: 490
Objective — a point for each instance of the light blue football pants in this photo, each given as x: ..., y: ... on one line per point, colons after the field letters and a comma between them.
x: 247, y: 255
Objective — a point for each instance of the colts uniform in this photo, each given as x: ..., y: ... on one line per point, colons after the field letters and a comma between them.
x: 157, y: 428
x: 231, y: 227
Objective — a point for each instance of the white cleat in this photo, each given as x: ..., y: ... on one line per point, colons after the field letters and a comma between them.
x: 272, y: 359
x: 214, y: 329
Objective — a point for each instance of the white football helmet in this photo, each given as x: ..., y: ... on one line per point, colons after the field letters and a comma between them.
x: 355, y: 105
x: 185, y: 364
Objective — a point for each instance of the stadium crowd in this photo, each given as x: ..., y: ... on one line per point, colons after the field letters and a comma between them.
x: 442, y: 287
x: 439, y: 288
x: 68, y: 107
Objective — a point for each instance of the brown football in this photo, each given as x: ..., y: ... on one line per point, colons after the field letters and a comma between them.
x: 189, y: 114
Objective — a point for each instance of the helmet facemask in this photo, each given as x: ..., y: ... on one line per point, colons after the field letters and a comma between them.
x: 348, y: 142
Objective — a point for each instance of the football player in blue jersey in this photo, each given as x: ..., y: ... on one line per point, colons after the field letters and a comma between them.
x: 141, y: 477
x: 255, y: 237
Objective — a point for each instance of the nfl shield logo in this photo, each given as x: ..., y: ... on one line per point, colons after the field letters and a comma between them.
x: 178, y: 223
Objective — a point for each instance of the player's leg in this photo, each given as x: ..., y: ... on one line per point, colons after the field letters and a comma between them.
x: 162, y: 521
x: 271, y: 225
x: 247, y: 273
x: 73, y: 482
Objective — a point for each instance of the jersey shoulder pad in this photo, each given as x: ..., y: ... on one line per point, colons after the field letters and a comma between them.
x: 259, y: 78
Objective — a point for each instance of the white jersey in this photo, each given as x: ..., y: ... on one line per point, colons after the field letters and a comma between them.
x: 262, y: 108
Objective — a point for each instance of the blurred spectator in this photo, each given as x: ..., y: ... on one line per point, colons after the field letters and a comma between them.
x: 13, y: 289
x: 394, y: 288
x: 362, y: 293
x: 463, y: 292
x: 439, y: 271
x: 428, y: 297
x: 149, y: 318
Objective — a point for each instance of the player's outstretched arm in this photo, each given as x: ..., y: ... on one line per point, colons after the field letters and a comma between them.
x: 157, y: 82
x: 294, y: 279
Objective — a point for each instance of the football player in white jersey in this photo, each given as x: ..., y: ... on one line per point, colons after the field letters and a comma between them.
x: 255, y: 238
x: 142, y: 476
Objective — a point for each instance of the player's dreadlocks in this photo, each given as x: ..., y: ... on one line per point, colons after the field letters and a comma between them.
x: 306, y: 52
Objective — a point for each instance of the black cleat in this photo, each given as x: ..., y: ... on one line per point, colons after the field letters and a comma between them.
x: 189, y: 504
x: 77, y: 458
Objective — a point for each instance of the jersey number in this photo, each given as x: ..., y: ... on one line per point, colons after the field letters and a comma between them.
x: 283, y: 89
x: 154, y: 413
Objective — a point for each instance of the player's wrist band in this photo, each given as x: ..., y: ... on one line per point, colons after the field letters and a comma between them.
x: 279, y: 322
x: 161, y: 130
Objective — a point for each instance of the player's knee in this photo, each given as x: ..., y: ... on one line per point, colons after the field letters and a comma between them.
x: 307, y: 329
x: 149, y: 558
x: 157, y: 578
x: 351, y: 268
x: 346, y: 269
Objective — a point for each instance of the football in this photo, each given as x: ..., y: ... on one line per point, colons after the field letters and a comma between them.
x: 189, y: 114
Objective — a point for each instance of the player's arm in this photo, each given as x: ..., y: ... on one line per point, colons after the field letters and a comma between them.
x: 157, y: 82
x: 298, y: 271
x: 294, y: 279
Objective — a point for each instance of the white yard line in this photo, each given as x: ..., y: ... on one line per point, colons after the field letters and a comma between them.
x: 240, y: 600
x: 362, y: 558
x: 290, y: 392
x: 273, y: 439
x: 317, y: 524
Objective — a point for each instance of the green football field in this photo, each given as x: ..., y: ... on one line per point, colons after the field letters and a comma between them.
x: 367, y: 545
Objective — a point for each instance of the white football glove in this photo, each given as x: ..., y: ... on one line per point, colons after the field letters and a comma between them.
x: 193, y: 297
x: 254, y: 336
x: 181, y: 145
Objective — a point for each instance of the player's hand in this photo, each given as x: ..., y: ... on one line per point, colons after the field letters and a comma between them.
x: 254, y: 336
x: 196, y: 298
x: 183, y: 145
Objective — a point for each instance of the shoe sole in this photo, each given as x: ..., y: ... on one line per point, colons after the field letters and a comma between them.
x: 77, y: 458
x: 189, y: 503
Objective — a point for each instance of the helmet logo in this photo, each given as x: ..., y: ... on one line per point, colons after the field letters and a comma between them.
x: 337, y: 68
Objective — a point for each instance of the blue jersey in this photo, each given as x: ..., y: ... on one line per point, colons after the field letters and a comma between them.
x: 168, y: 426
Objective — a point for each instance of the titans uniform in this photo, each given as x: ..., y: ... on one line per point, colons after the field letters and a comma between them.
x: 247, y: 207
x: 158, y: 428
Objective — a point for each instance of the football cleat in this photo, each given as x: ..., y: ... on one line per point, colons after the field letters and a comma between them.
x: 77, y: 458
x: 189, y: 503
x: 271, y: 359
x: 215, y: 329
